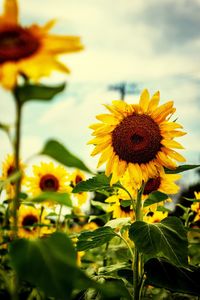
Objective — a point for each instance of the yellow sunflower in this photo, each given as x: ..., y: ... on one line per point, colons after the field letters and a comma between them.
x: 118, y: 209
x: 196, y: 206
x: 8, y: 169
x: 155, y: 217
x: 23, y: 50
x: 138, y: 138
x: 76, y: 177
x: 28, y: 219
x: 163, y: 182
x: 48, y: 178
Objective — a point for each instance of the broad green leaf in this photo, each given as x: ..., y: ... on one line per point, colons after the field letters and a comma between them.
x: 119, y: 222
x: 58, y: 152
x: 39, y: 92
x: 126, y: 203
x: 165, y: 239
x: 92, y: 239
x: 100, y: 205
x: 48, y: 263
x: 163, y: 274
x: 155, y: 197
x: 96, y: 183
x: 59, y: 198
x: 180, y: 169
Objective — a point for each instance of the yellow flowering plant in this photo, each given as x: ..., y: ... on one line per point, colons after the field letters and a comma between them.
x: 70, y: 233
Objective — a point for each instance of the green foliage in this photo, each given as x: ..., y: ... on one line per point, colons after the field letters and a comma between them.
x: 50, y: 265
x: 46, y: 263
x: 92, y: 239
x: 181, y: 168
x: 59, y: 198
x: 155, y: 197
x: 96, y: 183
x: 162, y: 273
x: 29, y: 92
x: 165, y: 239
x: 58, y: 152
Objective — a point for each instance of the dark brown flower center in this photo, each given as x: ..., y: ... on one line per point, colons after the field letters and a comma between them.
x: 152, y: 185
x: 16, y: 43
x: 78, y: 179
x: 10, y: 171
x: 49, y: 182
x: 137, y: 139
x: 29, y: 221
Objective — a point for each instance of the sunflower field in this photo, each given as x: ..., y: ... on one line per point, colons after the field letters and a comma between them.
x: 72, y: 233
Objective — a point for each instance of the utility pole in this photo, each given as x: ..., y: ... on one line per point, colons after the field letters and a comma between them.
x: 124, y: 88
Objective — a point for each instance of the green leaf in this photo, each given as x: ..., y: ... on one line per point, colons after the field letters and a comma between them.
x: 165, y: 239
x: 163, y: 274
x: 113, y: 268
x: 50, y: 265
x: 46, y: 263
x: 96, y: 183
x: 92, y: 239
x: 59, y: 198
x: 39, y: 92
x: 58, y: 152
x: 155, y: 197
x: 119, y: 222
x: 180, y: 169
x: 126, y: 203
x: 100, y: 205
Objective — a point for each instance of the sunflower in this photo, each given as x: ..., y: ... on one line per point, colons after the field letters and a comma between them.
x: 48, y: 178
x: 29, y: 221
x: 23, y: 50
x: 76, y: 177
x: 163, y: 182
x: 119, y: 208
x: 155, y: 217
x: 8, y: 169
x: 195, y: 207
x: 137, y: 138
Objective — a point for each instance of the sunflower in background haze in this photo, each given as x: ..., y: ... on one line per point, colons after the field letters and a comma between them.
x: 30, y: 51
x: 31, y: 222
x: 48, y: 177
x: 138, y: 138
x: 76, y: 177
x: 8, y: 169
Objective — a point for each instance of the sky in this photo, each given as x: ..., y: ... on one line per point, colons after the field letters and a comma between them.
x: 153, y: 44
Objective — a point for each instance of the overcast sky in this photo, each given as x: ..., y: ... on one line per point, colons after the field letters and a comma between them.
x: 153, y: 44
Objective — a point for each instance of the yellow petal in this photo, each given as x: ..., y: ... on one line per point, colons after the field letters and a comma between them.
x: 56, y: 44
x: 162, y: 109
x: 109, y: 165
x: 133, y: 172
x: 108, y: 119
x: 105, y: 156
x: 172, y: 133
x: 122, y: 167
x: 153, y: 104
x: 103, y: 129
x: 171, y: 144
x: 115, y: 176
x: 100, y: 140
x: 11, y: 11
x: 173, y: 154
x: 166, y: 126
x: 99, y: 148
x: 165, y: 161
x: 144, y: 100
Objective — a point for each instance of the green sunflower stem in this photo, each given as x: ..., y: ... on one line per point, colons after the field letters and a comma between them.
x: 58, y: 220
x: 17, y: 141
x: 137, y: 258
